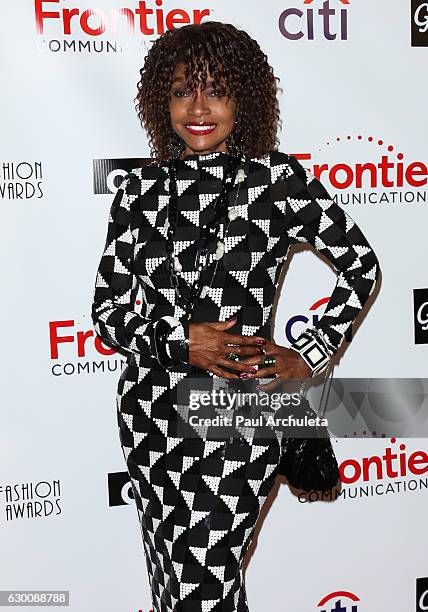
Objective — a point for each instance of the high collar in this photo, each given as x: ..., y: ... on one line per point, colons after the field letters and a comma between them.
x: 196, y: 159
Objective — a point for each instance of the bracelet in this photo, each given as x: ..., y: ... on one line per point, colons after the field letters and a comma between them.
x: 161, y: 331
x: 315, y: 332
x: 313, y: 349
x: 178, y: 349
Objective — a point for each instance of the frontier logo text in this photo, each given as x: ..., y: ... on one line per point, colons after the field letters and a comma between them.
x: 141, y: 19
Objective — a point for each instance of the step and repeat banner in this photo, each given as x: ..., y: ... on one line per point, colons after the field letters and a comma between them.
x: 353, y: 79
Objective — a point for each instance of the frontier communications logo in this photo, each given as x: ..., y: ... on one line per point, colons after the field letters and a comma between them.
x: 369, y: 170
x: 63, y: 27
x: 394, y: 471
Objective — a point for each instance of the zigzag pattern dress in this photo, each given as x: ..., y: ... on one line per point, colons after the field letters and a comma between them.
x: 198, y: 500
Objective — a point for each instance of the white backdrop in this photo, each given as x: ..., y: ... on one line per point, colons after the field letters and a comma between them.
x: 352, y: 93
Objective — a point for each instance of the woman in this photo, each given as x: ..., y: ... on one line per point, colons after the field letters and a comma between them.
x: 205, y: 229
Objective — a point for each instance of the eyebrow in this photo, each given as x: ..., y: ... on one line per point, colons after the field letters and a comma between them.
x: 182, y: 78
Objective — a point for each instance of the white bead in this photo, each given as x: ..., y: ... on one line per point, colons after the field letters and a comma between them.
x: 232, y: 214
x: 166, y: 224
x: 173, y: 322
x: 220, y: 250
x: 240, y: 176
x: 166, y: 184
x: 177, y: 265
x: 204, y: 291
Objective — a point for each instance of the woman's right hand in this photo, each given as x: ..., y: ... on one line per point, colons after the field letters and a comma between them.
x: 208, y: 348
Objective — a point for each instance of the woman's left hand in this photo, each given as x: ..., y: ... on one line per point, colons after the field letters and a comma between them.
x: 288, y: 364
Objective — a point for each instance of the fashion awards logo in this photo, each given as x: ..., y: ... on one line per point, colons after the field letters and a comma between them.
x: 339, y: 601
x: 330, y: 21
x: 29, y: 500
x: 364, y: 170
x: 74, y: 29
x: 419, y: 21
x: 420, y: 321
x: 21, y: 180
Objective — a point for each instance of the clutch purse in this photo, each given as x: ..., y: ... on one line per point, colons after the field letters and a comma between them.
x: 310, y: 464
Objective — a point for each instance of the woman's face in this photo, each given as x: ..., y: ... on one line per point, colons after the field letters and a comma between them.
x: 203, y: 118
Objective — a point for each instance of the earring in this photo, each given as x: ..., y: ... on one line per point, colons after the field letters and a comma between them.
x: 234, y: 143
x: 175, y: 145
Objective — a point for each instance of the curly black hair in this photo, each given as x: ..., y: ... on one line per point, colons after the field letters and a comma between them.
x: 232, y: 57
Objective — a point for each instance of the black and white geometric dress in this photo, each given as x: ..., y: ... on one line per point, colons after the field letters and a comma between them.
x: 198, y: 500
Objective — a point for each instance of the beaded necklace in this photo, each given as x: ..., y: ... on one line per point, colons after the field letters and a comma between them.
x: 209, y: 232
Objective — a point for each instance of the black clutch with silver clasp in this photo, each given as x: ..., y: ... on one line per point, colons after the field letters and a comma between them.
x: 310, y: 464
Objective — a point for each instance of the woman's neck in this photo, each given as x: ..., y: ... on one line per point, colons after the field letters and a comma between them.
x: 220, y: 148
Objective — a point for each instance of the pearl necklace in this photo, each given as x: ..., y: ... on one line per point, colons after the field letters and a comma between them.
x: 209, y: 232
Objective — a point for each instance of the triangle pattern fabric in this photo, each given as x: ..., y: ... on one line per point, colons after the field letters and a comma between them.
x: 198, y: 497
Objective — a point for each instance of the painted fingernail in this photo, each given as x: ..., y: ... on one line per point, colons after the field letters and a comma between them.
x: 243, y: 375
x: 232, y: 318
x: 261, y: 351
x: 261, y: 341
x: 258, y: 387
x: 253, y: 369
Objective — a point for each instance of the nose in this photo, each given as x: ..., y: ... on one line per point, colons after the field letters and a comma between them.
x: 198, y: 106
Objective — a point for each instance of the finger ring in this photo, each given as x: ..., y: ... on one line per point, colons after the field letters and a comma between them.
x: 232, y: 356
x: 270, y: 360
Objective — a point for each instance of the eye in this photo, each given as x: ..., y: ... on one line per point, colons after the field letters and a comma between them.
x: 215, y: 92
x: 181, y: 93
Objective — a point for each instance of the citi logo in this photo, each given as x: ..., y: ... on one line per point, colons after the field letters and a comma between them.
x: 326, y: 22
x: 344, y: 601
x: 143, y: 18
x: 291, y: 332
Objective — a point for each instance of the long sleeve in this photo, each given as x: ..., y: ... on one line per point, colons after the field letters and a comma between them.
x: 116, y: 285
x: 312, y: 216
